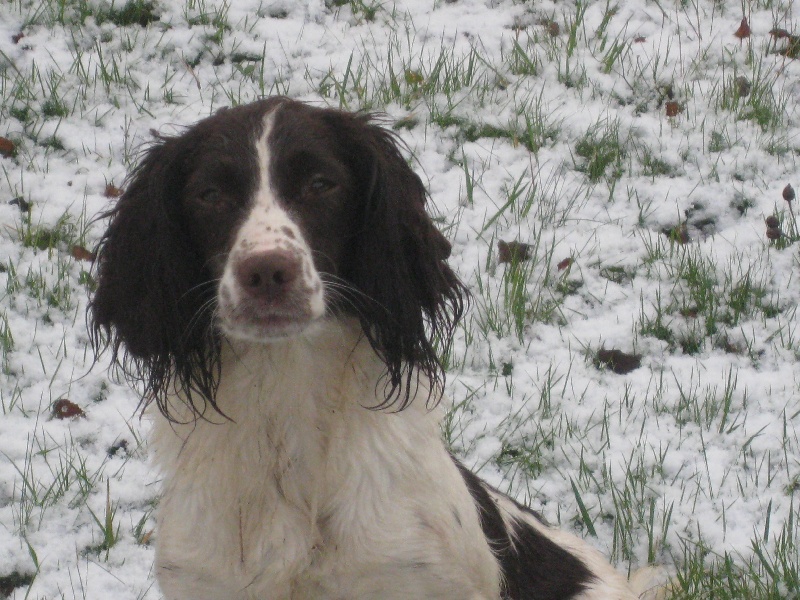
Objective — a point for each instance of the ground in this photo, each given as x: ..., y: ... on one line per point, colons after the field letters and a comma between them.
x: 628, y: 366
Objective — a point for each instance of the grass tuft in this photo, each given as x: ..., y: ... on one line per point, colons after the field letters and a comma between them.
x: 602, y: 150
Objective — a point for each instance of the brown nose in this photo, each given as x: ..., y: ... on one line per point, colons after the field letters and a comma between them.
x: 269, y: 274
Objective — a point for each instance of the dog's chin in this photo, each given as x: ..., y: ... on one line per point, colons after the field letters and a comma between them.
x: 266, y: 329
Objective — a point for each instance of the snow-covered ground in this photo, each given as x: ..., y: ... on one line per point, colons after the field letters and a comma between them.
x: 511, y: 110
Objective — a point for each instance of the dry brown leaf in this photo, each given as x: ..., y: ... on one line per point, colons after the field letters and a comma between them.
x: 618, y: 361
x: 511, y: 252
x: 7, y: 147
x: 673, y: 108
x: 66, y: 409
x: 744, y: 29
x: 81, y: 253
x: 112, y: 191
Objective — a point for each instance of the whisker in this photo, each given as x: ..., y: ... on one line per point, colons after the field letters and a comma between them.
x: 339, y: 301
x: 332, y: 281
x: 207, y: 308
x: 200, y: 287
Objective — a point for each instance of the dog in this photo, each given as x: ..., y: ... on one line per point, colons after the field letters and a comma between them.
x: 272, y: 281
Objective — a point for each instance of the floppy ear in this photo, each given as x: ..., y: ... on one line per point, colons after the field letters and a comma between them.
x: 399, y: 263
x: 149, y: 301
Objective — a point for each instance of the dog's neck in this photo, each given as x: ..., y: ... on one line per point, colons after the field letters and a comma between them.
x: 319, y: 370
x: 289, y: 407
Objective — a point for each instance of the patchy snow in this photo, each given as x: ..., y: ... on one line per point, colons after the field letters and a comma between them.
x: 717, y: 469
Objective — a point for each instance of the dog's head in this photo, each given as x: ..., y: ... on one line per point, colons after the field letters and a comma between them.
x: 257, y: 224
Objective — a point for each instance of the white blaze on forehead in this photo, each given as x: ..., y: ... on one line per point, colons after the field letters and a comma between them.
x: 264, y: 192
x: 269, y: 227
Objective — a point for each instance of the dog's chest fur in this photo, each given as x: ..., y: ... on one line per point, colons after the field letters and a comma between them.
x: 305, y: 495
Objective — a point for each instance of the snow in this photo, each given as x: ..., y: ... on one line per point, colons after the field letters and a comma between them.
x: 718, y: 475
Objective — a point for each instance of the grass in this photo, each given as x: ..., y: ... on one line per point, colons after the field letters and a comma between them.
x: 6, y: 344
x: 109, y: 527
x: 553, y: 130
x: 602, y: 150
x: 706, y: 302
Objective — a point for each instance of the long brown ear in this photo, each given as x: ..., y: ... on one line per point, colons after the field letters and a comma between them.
x: 149, y: 302
x: 415, y: 298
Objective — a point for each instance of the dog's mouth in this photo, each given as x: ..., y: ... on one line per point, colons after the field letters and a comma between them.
x: 264, y: 324
x: 254, y: 320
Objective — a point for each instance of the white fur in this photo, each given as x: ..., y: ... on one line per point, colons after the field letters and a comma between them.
x: 307, y: 493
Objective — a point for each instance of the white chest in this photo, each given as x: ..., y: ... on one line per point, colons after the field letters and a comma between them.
x: 308, y: 494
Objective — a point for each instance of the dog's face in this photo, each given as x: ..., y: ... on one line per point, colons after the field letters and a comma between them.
x: 274, y: 217
x: 259, y: 222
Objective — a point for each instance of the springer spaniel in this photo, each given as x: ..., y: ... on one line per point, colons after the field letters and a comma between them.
x: 273, y: 281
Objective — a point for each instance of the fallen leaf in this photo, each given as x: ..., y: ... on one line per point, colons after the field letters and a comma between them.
x: 673, y: 108
x: 779, y: 33
x: 564, y: 264
x: 65, y: 409
x: 81, y: 253
x: 512, y: 252
x: 7, y: 147
x: 112, y: 191
x: 744, y: 29
x: 618, y: 361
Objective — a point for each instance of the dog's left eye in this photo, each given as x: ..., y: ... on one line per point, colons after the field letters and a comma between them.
x: 320, y: 185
